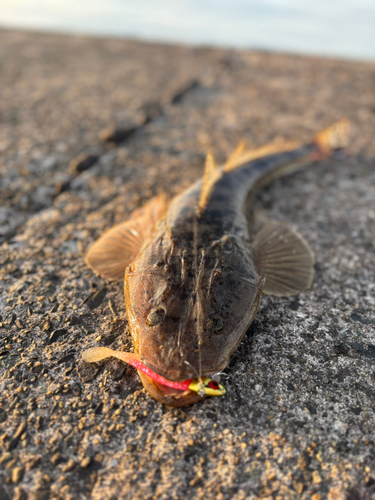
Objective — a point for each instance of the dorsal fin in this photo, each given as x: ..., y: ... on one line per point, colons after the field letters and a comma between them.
x: 211, y: 175
x: 235, y: 154
x: 241, y: 156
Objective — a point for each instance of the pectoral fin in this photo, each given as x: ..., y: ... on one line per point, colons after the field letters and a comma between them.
x: 117, y: 248
x: 284, y: 258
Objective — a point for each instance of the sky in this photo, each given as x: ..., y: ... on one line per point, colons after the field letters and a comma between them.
x: 344, y: 28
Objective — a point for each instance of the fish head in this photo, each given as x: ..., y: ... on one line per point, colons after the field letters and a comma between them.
x: 187, y: 314
x: 230, y: 293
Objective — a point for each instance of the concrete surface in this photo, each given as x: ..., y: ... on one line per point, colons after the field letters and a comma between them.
x: 92, y: 128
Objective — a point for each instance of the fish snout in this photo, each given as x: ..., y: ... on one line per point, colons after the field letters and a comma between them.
x: 172, y: 367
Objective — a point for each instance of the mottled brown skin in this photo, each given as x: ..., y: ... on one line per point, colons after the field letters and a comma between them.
x: 194, y: 290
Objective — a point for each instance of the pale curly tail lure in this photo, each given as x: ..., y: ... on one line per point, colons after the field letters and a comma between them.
x: 204, y: 386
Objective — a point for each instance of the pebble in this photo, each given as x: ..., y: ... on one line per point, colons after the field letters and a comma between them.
x: 68, y: 466
x: 33, y: 462
x: 37, y: 368
x: 304, y: 460
x: 46, y: 326
x: 19, y: 494
x: 56, y: 459
x: 117, y: 369
x: 10, y: 464
x: 20, y: 430
x: 13, y: 442
x: 85, y: 462
x: 87, y: 371
x: 5, y: 457
x: 17, y: 474
x: 317, y: 479
x: 310, y: 408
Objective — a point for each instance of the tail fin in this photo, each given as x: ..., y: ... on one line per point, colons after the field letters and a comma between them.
x: 334, y: 137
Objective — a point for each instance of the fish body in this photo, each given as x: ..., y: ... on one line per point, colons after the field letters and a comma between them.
x: 194, y: 273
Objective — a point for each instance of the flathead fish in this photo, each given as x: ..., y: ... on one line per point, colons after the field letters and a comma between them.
x: 194, y: 273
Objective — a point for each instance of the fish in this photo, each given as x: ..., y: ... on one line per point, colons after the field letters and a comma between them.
x: 196, y: 266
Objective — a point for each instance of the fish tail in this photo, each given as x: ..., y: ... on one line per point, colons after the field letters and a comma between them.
x: 334, y: 137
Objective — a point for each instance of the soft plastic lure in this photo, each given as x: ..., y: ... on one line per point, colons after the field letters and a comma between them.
x: 204, y: 386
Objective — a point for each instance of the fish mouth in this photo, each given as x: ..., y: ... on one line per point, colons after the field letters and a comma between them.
x: 179, y: 389
x: 168, y: 395
x: 175, y: 393
x: 169, y: 374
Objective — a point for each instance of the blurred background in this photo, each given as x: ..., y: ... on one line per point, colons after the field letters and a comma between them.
x: 344, y: 28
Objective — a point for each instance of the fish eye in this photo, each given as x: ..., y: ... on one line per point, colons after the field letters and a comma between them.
x: 215, y: 324
x: 156, y: 316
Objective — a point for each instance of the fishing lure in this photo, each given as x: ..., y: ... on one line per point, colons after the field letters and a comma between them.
x: 204, y: 387
x: 194, y: 272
